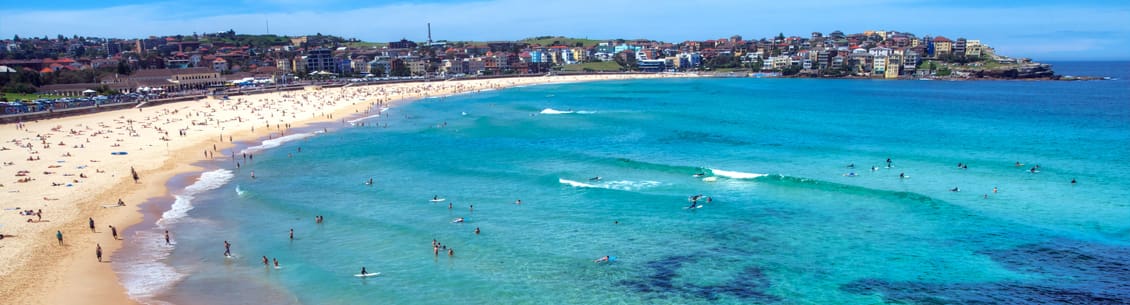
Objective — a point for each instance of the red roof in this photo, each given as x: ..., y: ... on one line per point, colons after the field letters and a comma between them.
x: 941, y: 39
x: 46, y: 70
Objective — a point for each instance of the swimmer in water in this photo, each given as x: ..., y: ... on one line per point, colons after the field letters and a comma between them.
x: 597, y: 178
x: 955, y: 189
x: 601, y: 260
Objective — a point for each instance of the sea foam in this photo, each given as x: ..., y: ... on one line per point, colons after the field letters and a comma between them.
x: 554, y: 111
x: 622, y: 185
x: 736, y: 175
x: 209, y: 180
x: 144, y: 274
x: 276, y: 142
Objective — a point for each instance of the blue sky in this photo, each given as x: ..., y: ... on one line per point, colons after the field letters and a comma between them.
x: 1039, y: 29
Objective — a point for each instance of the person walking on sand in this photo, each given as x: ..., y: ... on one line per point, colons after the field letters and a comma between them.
x: 136, y: 178
x: 92, y: 224
x: 98, y: 252
x: 59, y: 236
x: 114, y: 232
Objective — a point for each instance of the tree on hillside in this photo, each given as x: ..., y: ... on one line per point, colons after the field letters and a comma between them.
x: 123, y: 67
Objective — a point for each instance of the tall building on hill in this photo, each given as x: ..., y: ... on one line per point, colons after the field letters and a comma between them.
x: 320, y: 59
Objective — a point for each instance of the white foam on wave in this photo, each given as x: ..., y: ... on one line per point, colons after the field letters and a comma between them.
x: 736, y: 175
x: 209, y: 180
x: 622, y: 185
x: 625, y: 185
x: 354, y: 121
x: 145, y: 274
x: 554, y: 111
x: 574, y: 183
x: 276, y: 142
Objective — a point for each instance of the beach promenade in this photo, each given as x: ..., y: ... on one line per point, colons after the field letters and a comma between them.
x: 66, y: 175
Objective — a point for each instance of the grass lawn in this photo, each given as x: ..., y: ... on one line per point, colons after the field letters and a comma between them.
x: 594, y: 66
x: 366, y: 44
x: 24, y: 96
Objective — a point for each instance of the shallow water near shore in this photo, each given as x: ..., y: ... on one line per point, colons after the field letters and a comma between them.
x: 786, y: 222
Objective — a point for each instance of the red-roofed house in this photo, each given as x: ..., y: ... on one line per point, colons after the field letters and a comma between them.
x: 220, y: 65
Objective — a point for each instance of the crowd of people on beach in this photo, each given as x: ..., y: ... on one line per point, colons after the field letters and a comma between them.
x: 77, y: 148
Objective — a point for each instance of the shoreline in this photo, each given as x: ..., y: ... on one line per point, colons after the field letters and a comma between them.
x: 35, y: 264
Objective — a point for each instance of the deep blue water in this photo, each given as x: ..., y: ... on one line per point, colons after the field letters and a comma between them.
x: 787, y: 221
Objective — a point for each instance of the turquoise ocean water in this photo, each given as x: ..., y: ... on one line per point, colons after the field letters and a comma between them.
x: 787, y: 221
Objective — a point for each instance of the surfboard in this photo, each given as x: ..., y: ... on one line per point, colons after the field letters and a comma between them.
x: 367, y: 274
x: 696, y: 207
x: 438, y: 200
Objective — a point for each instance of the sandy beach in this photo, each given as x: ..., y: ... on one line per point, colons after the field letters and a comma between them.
x: 63, y: 173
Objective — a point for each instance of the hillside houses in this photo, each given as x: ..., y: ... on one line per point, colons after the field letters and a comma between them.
x: 886, y: 54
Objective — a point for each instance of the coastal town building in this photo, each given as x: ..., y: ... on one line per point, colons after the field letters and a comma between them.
x: 878, y: 54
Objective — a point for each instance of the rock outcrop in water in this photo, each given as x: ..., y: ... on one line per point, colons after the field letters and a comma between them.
x: 1025, y: 71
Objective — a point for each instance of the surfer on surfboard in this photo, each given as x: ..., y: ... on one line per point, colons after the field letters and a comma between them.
x: 597, y: 178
